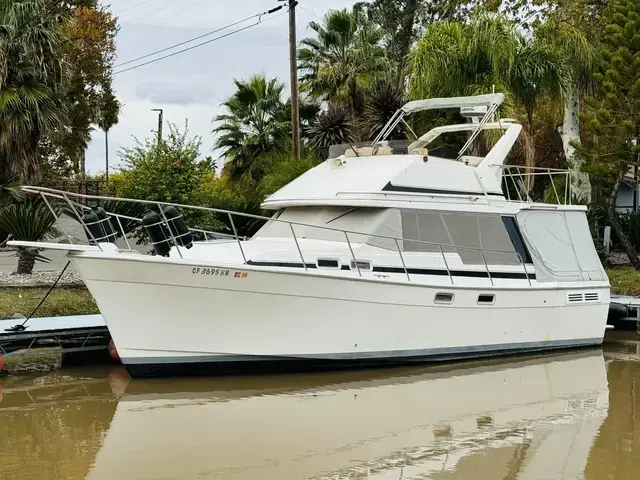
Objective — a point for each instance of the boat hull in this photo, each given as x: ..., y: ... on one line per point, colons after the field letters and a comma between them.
x: 169, y: 318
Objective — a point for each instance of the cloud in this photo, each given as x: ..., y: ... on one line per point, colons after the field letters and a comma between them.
x: 174, y: 93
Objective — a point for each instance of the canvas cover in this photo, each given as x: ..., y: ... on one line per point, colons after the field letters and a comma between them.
x: 561, y: 246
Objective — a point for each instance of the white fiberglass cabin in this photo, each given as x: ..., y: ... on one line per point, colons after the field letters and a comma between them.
x: 386, y: 253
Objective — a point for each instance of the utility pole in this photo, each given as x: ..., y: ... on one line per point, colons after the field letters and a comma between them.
x: 293, y: 67
x: 160, y: 116
x: 634, y: 143
x: 106, y: 153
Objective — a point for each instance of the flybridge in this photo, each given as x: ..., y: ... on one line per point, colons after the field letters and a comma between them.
x: 383, y: 171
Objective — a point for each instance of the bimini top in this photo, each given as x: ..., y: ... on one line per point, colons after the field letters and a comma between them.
x: 454, y: 102
x: 492, y: 101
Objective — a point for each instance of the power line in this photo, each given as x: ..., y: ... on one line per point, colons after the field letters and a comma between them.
x: 188, y: 41
x: 202, y: 43
x: 166, y: 16
x: 170, y: 4
x: 134, y: 6
x: 309, y: 12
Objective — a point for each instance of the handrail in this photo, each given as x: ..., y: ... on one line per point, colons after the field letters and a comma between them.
x: 63, y: 195
x: 127, y: 217
x: 508, y: 173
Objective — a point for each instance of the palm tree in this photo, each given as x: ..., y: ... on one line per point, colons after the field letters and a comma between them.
x: 29, y: 220
x: 109, y: 108
x: 384, y: 100
x: 256, y: 121
x: 333, y: 127
x: 30, y: 76
x: 464, y: 59
x: 454, y: 58
x: 343, y: 61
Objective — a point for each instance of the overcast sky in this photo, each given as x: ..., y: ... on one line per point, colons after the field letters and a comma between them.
x: 192, y: 85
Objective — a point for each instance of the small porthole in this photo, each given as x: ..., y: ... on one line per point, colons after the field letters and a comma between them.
x: 445, y: 298
x: 328, y: 263
x: 362, y: 265
x: 484, y: 299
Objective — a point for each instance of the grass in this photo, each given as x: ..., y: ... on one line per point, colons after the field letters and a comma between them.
x: 62, y: 301
x: 624, y: 281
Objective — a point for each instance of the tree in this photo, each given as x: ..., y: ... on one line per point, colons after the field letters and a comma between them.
x: 28, y: 220
x: 612, y: 116
x: 168, y: 171
x: 385, y: 99
x: 90, y: 52
x: 332, y: 127
x: 256, y: 121
x: 284, y: 169
x: 403, y: 20
x: 108, y: 111
x: 246, y: 194
x: 571, y: 29
x: 463, y: 59
x: 344, y: 59
x: 222, y: 192
x: 31, y: 81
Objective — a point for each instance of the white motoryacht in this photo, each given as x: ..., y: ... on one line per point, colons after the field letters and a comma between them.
x: 386, y: 253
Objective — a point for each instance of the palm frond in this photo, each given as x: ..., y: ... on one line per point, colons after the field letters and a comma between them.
x: 28, y: 220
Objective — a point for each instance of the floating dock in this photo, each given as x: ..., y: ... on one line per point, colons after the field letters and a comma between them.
x: 71, y: 336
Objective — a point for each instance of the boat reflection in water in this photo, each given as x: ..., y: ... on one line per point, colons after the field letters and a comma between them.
x: 536, y: 418
x: 526, y: 418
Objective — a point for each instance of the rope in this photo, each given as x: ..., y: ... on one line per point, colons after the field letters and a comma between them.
x: 21, y: 327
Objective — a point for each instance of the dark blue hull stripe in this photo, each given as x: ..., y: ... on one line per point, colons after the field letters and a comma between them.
x: 244, y: 364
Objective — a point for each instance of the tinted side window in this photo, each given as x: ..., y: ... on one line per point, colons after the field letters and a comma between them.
x: 516, y: 238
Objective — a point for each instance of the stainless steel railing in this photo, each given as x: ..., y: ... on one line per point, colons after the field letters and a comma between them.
x: 519, y: 174
x: 48, y: 194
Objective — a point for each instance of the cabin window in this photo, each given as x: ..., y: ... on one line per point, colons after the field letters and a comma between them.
x: 516, y: 238
x: 474, y: 231
x: 317, y: 223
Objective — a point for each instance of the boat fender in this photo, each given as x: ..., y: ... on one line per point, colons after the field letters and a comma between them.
x: 617, y: 311
x: 93, y: 227
x: 179, y: 229
x: 109, y: 232
x: 157, y: 233
x: 113, y: 352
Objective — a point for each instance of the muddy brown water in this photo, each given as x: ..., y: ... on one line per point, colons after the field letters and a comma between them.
x: 574, y: 415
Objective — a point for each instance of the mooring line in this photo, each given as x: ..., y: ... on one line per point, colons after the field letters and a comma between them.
x: 21, y: 327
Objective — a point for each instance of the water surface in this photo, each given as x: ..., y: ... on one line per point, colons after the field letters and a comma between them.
x: 570, y: 415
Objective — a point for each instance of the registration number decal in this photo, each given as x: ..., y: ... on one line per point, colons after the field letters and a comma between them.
x: 217, y: 272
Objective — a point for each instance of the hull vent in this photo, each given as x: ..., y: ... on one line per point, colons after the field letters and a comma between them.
x: 591, y: 297
x: 583, y: 297
x: 574, y: 297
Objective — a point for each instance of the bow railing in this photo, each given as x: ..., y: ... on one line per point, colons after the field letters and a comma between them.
x: 78, y: 203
